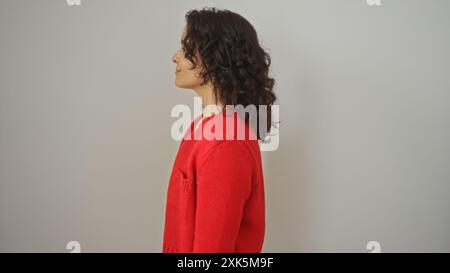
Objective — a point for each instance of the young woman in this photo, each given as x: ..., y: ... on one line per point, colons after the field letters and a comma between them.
x: 215, y: 198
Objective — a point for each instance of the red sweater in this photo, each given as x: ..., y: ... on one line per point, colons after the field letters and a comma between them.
x: 215, y: 197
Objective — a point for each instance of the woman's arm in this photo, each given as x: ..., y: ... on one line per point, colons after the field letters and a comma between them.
x: 224, y: 183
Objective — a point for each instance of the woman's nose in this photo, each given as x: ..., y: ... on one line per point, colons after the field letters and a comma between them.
x: 175, y: 57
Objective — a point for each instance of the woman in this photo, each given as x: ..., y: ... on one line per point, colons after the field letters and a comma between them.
x: 215, y: 197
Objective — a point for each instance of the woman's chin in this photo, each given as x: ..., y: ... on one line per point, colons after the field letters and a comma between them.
x: 181, y: 84
x: 178, y: 83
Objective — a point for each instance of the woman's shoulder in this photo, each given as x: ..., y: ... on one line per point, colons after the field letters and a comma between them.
x: 225, y: 151
x: 224, y: 134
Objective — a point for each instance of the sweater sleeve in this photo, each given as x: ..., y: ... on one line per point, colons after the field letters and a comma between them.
x: 223, y: 185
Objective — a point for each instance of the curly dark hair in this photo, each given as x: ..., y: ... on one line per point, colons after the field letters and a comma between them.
x: 232, y: 59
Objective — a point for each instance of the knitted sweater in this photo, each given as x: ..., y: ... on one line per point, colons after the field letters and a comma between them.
x: 215, y: 196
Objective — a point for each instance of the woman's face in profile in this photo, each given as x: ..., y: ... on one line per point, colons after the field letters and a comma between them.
x: 185, y: 75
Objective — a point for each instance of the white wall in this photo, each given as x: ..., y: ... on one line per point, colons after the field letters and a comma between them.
x: 364, y: 94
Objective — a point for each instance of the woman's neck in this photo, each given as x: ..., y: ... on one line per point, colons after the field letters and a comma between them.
x: 210, y: 109
x: 209, y: 105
